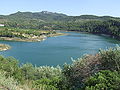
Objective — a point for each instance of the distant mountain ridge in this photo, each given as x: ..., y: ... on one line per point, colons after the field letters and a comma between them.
x: 44, y: 15
x: 51, y: 16
x: 57, y: 21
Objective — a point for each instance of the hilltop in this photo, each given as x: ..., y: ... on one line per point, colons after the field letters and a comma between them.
x: 46, y: 15
x: 41, y: 16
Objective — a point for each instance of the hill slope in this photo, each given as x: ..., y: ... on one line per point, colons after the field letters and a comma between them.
x: 56, y: 21
x: 50, y: 16
x: 44, y: 15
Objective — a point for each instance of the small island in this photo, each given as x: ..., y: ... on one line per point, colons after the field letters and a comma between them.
x: 4, y: 47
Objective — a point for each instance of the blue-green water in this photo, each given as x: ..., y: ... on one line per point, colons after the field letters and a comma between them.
x: 58, y: 50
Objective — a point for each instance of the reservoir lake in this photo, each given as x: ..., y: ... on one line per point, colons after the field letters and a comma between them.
x: 58, y: 50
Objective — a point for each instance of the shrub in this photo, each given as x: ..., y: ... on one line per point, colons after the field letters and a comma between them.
x: 104, y: 80
x: 11, y: 67
x: 34, y: 73
x: 47, y: 83
x: 83, y: 68
x: 80, y: 70
x: 28, y: 71
x: 110, y: 59
x: 7, y: 83
x: 47, y: 72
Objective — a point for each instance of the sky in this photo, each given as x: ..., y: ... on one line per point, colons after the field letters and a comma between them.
x: 69, y: 7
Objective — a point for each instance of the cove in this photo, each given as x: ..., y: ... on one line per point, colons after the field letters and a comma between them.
x: 58, y: 50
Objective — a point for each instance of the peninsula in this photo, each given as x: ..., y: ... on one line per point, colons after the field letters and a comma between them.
x: 26, y: 35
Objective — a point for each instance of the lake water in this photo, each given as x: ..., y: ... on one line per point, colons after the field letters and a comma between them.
x: 58, y: 50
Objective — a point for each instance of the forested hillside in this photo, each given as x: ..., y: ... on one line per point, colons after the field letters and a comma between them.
x: 56, y: 21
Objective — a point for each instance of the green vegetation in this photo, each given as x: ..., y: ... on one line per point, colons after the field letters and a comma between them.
x: 91, y: 72
x: 16, y: 34
x: 7, y: 82
x: 105, y: 80
x: 56, y: 21
x: 83, y: 73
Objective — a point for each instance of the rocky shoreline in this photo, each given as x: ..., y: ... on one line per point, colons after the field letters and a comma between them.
x: 33, y: 39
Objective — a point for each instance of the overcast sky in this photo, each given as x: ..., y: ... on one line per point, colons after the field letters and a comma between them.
x: 69, y: 7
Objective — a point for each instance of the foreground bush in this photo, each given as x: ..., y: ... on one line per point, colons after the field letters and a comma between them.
x: 11, y: 66
x: 7, y: 83
x: 77, y: 73
x: 47, y: 83
x: 110, y: 59
x: 80, y: 69
x: 104, y: 80
x: 81, y: 74
x: 27, y: 73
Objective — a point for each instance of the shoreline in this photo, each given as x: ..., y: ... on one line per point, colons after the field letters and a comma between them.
x: 101, y: 34
x: 32, y: 39
x: 57, y: 34
x: 23, y: 40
